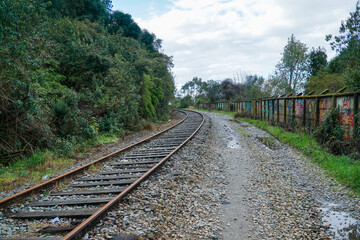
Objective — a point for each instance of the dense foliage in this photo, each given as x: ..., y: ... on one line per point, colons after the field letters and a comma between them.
x: 70, y: 70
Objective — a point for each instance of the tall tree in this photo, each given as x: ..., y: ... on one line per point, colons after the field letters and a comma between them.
x: 213, y: 91
x: 317, y: 60
x: 123, y: 23
x: 293, y: 64
x: 253, y: 85
x: 193, y: 87
x: 94, y: 10
x: 347, y: 43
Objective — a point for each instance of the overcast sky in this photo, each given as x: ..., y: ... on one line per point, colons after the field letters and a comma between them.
x: 218, y: 39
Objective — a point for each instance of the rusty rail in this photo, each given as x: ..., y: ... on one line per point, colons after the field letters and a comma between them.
x: 81, y: 229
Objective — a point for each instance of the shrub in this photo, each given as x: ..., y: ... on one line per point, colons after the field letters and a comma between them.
x: 331, y: 132
x: 88, y: 131
x: 60, y: 110
x: 242, y: 115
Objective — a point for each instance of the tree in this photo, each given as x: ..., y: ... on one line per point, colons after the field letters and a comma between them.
x: 276, y: 85
x: 317, y: 60
x: 193, y: 87
x: 149, y: 40
x: 186, y: 102
x: 347, y: 44
x: 324, y: 80
x: 253, y: 85
x: 23, y: 52
x: 122, y: 23
x: 293, y: 64
x: 213, y: 91
x: 94, y: 10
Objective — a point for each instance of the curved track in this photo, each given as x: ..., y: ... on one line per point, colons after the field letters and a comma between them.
x: 86, y: 199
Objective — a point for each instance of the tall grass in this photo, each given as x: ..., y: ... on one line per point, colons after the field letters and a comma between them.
x: 31, y: 169
x: 34, y: 168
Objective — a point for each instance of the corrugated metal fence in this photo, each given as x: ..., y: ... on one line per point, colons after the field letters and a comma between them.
x: 306, y: 110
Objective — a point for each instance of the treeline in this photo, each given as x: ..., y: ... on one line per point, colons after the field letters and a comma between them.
x: 71, y: 70
x: 300, y: 70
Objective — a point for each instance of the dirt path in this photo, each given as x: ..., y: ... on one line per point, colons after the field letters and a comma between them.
x: 273, y: 192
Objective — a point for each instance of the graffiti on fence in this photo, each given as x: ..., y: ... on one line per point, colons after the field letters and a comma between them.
x: 346, y: 116
x: 299, y: 111
x: 289, y: 108
x: 271, y: 109
x: 248, y: 107
x: 299, y: 107
x: 311, y: 110
x: 276, y: 110
x: 281, y: 110
x: 324, y: 105
x: 258, y: 108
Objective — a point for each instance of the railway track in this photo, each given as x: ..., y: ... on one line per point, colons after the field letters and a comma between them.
x: 74, y: 206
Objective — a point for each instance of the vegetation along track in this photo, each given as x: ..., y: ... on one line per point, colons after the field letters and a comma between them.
x: 72, y: 207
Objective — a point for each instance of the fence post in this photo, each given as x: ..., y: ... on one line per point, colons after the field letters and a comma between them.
x: 293, y: 106
x: 285, y: 112
x: 356, y: 111
x: 304, y: 112
x: 333, y: 98
x: 317, y: 111
x: 278, y: 110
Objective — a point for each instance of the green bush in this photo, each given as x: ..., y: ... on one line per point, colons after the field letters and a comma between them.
x: 186, y: 102
x: 88, y: 131
x: 331, y: 131
x: 60, y: 110
x: 331, y: 135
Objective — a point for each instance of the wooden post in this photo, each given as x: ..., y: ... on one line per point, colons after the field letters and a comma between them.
x: 356, y: 111
x: 285, y: 103
x: 267, y: 110
x: 278, y: 117
x: 293, y: 107
x: 304, y: 112
x: 317, y: 112
x: 333, y: 98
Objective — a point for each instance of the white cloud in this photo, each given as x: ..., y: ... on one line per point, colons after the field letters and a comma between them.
x: 215, y: 39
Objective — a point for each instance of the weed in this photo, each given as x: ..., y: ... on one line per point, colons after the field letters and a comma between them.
x: 242, y: 115
x: 93, y: 168
x: 243, y: 132
x: 292, y: 122
x: 63, y: 185
x: 269, y: 142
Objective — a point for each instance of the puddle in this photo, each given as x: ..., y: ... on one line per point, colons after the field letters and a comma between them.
x: 269, y: 142
x: 341, y: 224
x: 233, y: 144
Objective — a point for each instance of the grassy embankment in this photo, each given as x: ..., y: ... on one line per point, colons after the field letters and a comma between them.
x: 343, y: 168
x: 32, y: 169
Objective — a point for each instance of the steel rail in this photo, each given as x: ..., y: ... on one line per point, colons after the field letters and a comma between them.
x: 27, y: 192
x: 79, y: 231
